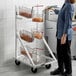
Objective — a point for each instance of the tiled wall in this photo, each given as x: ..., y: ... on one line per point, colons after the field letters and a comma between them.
x: 6, y: 30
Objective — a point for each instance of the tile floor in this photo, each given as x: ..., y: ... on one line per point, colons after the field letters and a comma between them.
x: 9, y: 68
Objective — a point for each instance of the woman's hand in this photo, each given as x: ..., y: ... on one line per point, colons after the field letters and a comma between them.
x: 63, y: 39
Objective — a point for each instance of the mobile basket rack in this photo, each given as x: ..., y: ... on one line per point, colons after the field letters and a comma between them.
x: 29, y: 38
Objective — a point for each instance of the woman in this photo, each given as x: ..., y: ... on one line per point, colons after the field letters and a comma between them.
x: 64, y: 37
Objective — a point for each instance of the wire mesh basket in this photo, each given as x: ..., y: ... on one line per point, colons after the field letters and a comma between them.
x: 37, y: 54
x: 26, y: 36
x: 23, y: 52
x: 25, y: 12
x: 37, y: 13
x: 37, y: 34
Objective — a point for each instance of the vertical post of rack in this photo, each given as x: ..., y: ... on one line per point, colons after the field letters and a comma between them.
x: 15, y: 32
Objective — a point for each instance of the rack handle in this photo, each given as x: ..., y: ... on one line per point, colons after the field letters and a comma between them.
x: 38, y: 6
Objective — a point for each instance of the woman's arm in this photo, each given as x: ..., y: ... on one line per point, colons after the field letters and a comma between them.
x: 68, y: 20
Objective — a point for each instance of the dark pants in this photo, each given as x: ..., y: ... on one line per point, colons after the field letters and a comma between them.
x: 64, y: 56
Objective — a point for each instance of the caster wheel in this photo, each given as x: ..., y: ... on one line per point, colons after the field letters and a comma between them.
x: 75, y: 16
x: 17, y: 62
x: 74, y: 57
x: 34, y: 70
x: 48, y: 66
